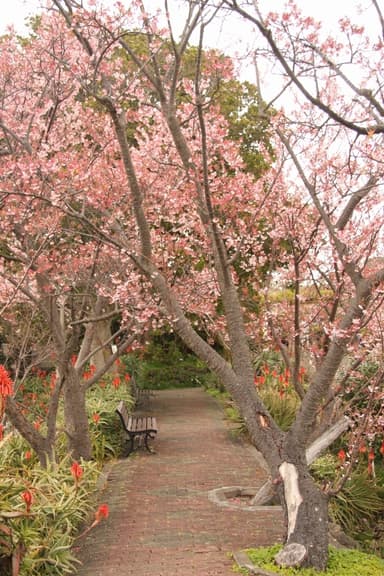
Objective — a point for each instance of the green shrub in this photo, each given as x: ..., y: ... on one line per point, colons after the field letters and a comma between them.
x: 270, y: 358
x: 15, y: 454
x: 43, y: 537
x: 341, y: 563
x: 106, y: 431
x: 282, y: 407
x: 359, y: 505
x: 43, y: 531
x: 274, y: 385
x: 166, y: 363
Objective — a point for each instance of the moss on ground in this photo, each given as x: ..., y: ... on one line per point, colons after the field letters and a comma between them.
x: 342, y: 562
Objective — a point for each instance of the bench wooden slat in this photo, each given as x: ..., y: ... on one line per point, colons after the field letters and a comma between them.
x: 141, y: 424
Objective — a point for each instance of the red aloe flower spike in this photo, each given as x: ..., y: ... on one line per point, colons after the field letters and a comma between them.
x: 6, y: 384
x: 28, y: 499
x: 341, y: 455
x: 102, y: 512
x: 76, y: 471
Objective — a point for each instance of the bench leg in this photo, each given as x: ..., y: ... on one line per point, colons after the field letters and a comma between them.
x: 152, y: 437
x: 131, y: 444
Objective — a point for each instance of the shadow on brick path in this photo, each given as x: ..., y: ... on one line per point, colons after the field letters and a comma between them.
x: 161, y: 522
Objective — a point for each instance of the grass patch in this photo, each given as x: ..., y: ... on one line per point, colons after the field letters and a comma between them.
x: 342, y: 562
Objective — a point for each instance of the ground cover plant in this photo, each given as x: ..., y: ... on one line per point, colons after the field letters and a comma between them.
x: 341, y: 563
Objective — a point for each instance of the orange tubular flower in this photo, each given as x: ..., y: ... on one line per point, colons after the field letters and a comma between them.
x: 101, y: 512
x: 76, y: 471
x: 341, y: 455
x: 116, y: 382
x: 6, y: 384
x: 28, y: 499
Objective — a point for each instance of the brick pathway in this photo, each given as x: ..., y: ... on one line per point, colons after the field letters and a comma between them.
x: 161, y: 521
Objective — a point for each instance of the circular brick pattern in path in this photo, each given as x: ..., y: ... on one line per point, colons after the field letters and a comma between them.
x: 161, y: 520
x: 238, y: 497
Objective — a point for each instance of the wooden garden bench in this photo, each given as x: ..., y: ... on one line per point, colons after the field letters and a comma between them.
x: 142, y: 396
x: 142, y: 428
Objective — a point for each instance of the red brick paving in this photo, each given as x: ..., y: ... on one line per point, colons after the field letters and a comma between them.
x: 161, y: 521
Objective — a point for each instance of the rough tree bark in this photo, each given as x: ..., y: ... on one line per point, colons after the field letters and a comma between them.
x: 75, y: 414
x: 44, y: 447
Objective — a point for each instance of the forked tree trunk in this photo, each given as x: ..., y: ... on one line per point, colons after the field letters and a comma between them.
x: 76, y: 420
x: 318, y: 446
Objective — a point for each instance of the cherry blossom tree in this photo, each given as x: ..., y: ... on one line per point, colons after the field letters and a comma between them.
x: 331, y: 131
x: 52, y: 269
x: 68, y: 310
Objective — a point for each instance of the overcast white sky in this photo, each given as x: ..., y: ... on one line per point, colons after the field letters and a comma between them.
x: 15, y: 11
x: 232, y: 36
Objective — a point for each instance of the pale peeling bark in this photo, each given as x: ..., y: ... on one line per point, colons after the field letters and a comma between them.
x: 291, y: 555
x: 103, y: 353
x: 264, y: 494
x: 292, y: 495
x: 326, y: 439
x: 307, y: 518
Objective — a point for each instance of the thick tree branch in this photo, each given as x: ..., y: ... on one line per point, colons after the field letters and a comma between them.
x: 354, y: 201
x: 325, y: 375
x: 355, y: 127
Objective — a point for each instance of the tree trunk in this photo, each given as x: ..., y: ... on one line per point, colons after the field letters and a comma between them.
x: 306, y: 508
x: 76, y: 420
x: 42, y: 446
x: 101, y: 335
x: 267, y: 492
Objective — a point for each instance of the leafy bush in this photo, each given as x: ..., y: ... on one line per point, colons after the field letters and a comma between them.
x: 356, y: 504
x: 15, y: 454
x: 166, y: 363
x: 282, y: 407
x: 341, y: 563
x: 358, y: 507
x: 102, y: 399
x: 274, y: 385
x: 106, y: 431
x: 41, y: 510
x: 270, y: 358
